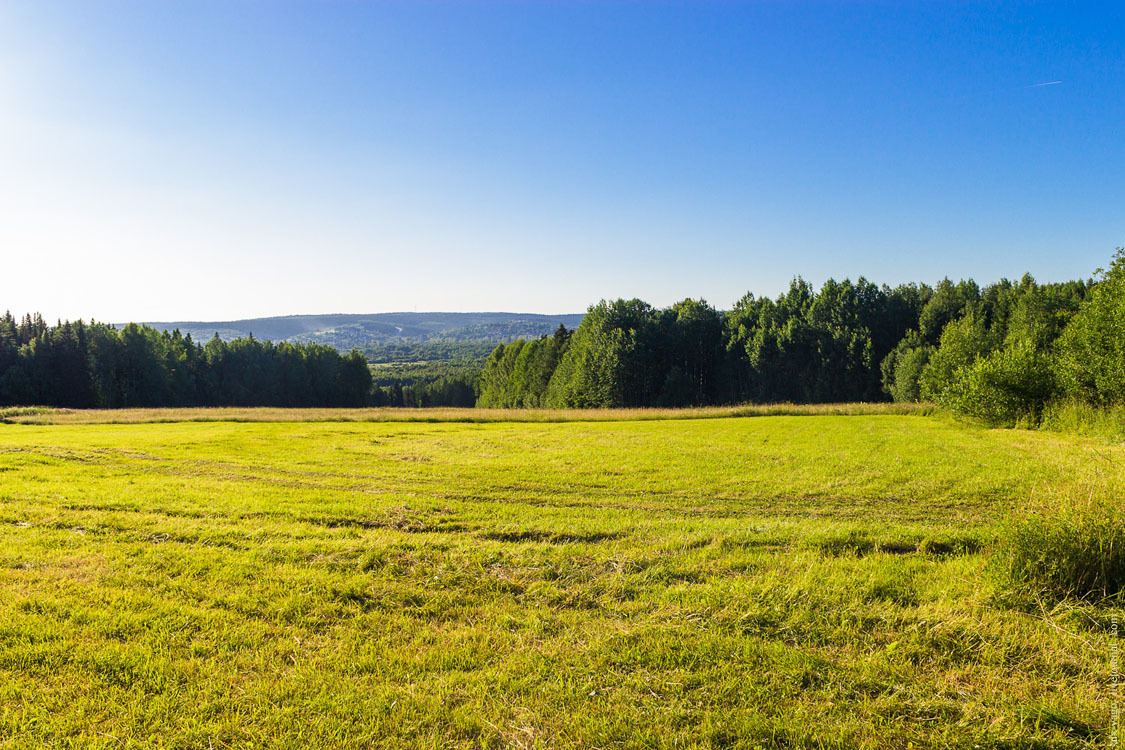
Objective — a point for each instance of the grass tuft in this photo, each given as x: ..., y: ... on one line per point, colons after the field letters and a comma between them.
x: 1069, y: 547
x: 951, y: 544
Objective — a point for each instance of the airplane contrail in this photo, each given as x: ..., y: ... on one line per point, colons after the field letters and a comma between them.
x: 1037, y: 85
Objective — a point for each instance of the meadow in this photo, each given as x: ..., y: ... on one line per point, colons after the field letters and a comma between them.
x: 805, y: 577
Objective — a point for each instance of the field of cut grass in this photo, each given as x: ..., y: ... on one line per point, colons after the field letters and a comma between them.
x: 782, y: 581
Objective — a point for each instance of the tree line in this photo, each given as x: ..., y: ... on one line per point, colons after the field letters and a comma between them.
x: 94, y: 365
x: 1001, y: 353
x: 805, y: 346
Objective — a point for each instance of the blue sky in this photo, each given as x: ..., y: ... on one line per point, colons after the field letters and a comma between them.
x: 198, y: 160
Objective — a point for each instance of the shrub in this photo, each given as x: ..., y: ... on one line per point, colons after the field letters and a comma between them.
x: 1072, y: 548
x: 1004, y: 388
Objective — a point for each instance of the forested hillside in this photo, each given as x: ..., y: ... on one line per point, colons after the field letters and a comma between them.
x: 372, y: 331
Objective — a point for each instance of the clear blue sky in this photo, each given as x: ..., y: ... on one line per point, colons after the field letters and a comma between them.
x: 210, y: 160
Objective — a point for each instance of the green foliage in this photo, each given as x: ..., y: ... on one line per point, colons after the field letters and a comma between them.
x: 424, y: 384
x: 519, y: 374
x: 594, y: 373
x: 996, y: 363
x: 1003, y: 388
x: 691, y: 338
x: 1040, y: 313
x: 902, y: 368
x: 459, y: 391
x: 963, y: 342
x: 625, y: 353
x: 1070, y: 547
x: 819, y: 347
x: 948, y: 303
x: 495, y: 380
x: 452, y: 352
x: 1091, y: 361
x: 94, y: 365
x: 606, y: 362
x: 845, y: 342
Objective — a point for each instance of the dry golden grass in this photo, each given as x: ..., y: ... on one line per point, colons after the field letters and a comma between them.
x: 42, y: 415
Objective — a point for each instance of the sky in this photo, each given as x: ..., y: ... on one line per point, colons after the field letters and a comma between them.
x: 220, y: 160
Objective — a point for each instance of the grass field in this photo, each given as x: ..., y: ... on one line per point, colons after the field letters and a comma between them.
x: 784, y: 581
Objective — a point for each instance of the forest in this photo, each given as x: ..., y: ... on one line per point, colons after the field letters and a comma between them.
x: 94, y: 365
x: 1000, y: 353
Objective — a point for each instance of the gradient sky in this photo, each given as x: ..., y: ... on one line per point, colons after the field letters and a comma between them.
x: 216, y: 160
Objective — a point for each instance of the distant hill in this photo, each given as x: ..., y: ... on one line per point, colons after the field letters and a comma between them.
x: 363, y: 332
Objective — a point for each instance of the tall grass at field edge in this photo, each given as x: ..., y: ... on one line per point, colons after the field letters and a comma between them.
x: 1083, y: 419
x: 44, y: 416
x: 9, y: 412
x: 1068, y: 545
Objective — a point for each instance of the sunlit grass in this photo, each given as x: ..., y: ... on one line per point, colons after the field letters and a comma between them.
x: 804, y: 581
x: 1068, y: 545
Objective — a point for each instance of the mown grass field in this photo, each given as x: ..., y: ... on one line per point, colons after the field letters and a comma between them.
x: 780, y: 581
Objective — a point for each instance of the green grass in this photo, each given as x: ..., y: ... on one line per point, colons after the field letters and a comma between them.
x: 1071, y: 547
x: 1107, y: 422
x: 784, y: 581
